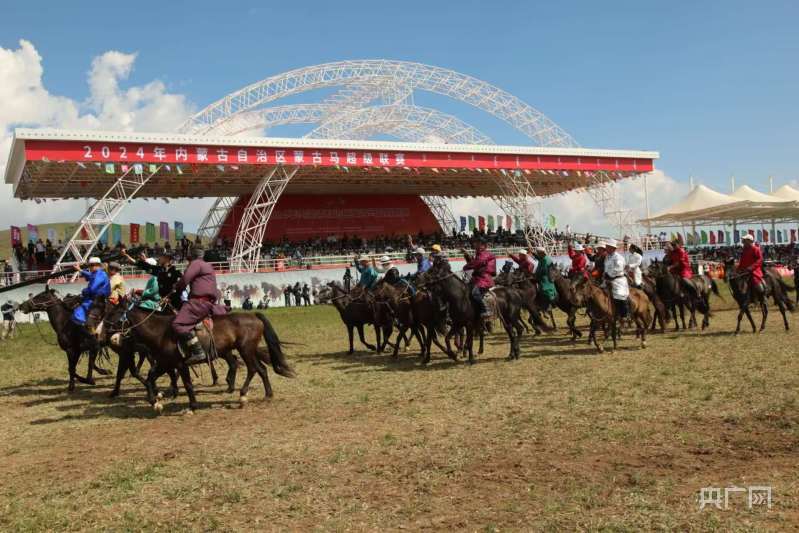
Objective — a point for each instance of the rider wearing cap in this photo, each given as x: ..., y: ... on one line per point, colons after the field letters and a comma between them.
x: 483, y: 266
x: 200, y: 278
x: 752, y: 262
x: 614, y: 273
x: 598, y: 258
x: 423, y: 264
x: 116, y: 281
x: 98, y: 285
x: 579, y: 261
x: 523, y: 260
x: 367, y: 271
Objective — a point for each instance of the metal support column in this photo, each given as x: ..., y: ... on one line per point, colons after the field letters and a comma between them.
x: 440, y: 208
x: 252, y: 227
x: 101, y: 214
x: 215, y: 218
x: 518, y: 200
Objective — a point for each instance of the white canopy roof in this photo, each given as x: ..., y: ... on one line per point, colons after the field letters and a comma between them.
x: 703, y: 205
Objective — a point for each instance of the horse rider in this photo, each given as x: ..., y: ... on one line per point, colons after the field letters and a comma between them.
x: 523, y: 260
x: 423, y: 264
x: 97, y: 285
x: 484, y: 267
x: 752, y: 262
x: 614, y: 274
x: 368, y: 274
x: 150, y: 297
x: 9, y: 322
x: 507, y: 267
x: 117, y: 282
x: 680, y: 266
x: 579, y: 261
x: 384, y: 266
x: 543, y: 274
x: 200, y: 278
x: 634, y: 265
x: 165, y: 271
x: 598, y: 258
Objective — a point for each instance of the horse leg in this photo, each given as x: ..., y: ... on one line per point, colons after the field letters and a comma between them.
x: 552, y: 318
x: 152, y: 376
x: 764, y: 311
x: 592, y: 335
x: 363, y: 340
x: 185, y: 377
x: 749, y: 317
x: 481, y: 333
x: 232, y: 368
x: 214, y: 375
x: 682, y: 315
x: 740, y: 316
x: 511, y: 336
x: 781, y: 306
x: 349, y: 332
x: 469, y: 344
x: 125, y: 362
x: 264, y: 375
x: 142, y: 357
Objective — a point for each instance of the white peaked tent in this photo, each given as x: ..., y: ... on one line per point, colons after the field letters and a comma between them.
x: 704, y: 206
x: 786, y: 192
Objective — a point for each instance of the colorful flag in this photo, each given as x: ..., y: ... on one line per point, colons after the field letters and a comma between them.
x: 703, y: 234
x: 179, y: 230
x: 712, y: 237
x: 33, y: 232
x: 109, y: 168
x: 463, y: 223
x: 116, y: 234
x: 164, y: 231
x: 508, y: 223
x: 720, y: 238
x: 490, y: 219
x: 689, y: 237
x: 149, y: 232
x: 765, y: 235
x: 481, y: 223
x: 517, y: 222
x: 793, y: 236
x: 134, y: 233
x: 472, y: 223
x: 551, y: 222
x: 104, y: 236
x: 16, y: 236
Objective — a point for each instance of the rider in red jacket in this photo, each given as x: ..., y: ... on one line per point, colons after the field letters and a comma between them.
x: 579, y: 261
x: 751, y: 259
x: 679, y: 264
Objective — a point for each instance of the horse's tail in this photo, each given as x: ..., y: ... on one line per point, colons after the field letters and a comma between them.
x: 279, y: 363
x: 785, y: 289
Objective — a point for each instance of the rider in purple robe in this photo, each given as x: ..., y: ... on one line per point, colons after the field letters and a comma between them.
x: 199, y: 277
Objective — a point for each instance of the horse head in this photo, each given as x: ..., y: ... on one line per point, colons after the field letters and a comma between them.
x: 40, y: 302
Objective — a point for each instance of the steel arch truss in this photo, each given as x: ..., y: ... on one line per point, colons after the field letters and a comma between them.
x: 215, y: 218
x: 98, y: 218
x: 252, y: 227
x: 520, y: 202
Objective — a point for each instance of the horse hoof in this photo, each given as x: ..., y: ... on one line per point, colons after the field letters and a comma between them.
x: 160, y: 395
x: 243, y: 400
x: 643, y: 346
x: 158, y: 407
x: 188, y: 412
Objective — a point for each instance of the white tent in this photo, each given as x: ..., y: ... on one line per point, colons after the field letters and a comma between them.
x: 786, y: 192
x: 745, y: 192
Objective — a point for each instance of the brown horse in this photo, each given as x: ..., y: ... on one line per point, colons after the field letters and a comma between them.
x: 71, y: 337
x: 603, y: 313
x: 239, y: 331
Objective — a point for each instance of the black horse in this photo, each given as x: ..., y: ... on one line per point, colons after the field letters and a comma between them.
x: 745, y: 294
x: 71, y: 337
x: 464, y: 313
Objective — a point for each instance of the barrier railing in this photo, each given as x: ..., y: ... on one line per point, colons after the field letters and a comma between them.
x: 288, y: 264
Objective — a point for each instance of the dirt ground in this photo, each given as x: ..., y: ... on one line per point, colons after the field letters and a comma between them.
x: 563, y: 439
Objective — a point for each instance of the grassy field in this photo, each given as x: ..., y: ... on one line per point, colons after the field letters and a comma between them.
x: 563, y: 439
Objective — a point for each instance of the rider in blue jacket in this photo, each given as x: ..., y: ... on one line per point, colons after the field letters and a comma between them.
x: 98, y: 285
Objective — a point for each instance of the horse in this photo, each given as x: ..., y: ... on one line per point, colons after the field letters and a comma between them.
x: 464, y: 313
x: 71, y: 337
x: 671, y: 291
x: 569, y: 301
x: 602, y: 312
x: 355, y: 312
x: 742, y: 291
x: 239, y: 331
x: 529, y: 290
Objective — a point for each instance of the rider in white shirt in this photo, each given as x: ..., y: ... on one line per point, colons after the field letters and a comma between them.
x: 634, y: 265
x: 614, y: 273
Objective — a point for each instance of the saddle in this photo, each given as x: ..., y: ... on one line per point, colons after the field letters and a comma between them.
x: 490, y: 300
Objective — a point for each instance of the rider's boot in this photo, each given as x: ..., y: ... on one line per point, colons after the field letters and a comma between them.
x: 196, y: 352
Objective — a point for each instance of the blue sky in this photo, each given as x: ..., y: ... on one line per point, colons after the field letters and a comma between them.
x: 711, y: 85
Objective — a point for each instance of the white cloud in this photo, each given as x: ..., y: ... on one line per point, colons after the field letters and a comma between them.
x: 25, y: 101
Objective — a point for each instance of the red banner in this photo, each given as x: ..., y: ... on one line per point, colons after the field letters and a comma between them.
x: 133, y: 153
x: 481, y: 223
x: 134, y: 233
x: 16, y: 236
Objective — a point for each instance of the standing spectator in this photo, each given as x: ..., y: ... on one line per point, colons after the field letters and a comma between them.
x: 287, y: 295
x: 9, y: 322
x: 306, y: 295
x: 247, y: 304
x: 347, y: 279
x: 228, y: 296
x: 8, y: 273
x: 297, y: 291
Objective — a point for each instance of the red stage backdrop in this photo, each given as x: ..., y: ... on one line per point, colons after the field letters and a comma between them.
x: 300, y: 217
